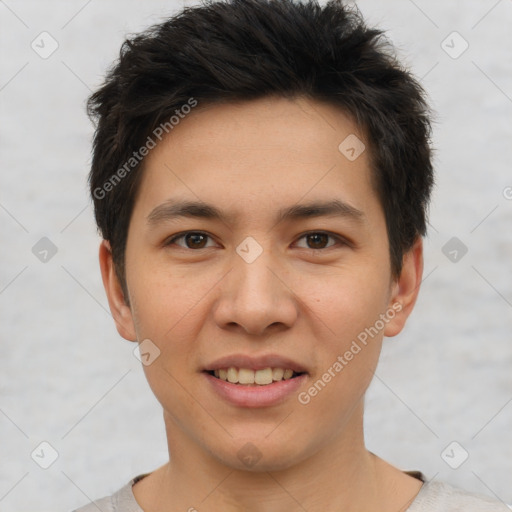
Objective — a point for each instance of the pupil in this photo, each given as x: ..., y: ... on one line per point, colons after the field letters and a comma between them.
x: 315, y: 237
x: 195, y: 237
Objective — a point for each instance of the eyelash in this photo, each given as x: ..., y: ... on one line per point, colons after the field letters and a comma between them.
x: 339, y: 239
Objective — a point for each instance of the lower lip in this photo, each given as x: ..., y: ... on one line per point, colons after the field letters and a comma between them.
x: 256, y: 396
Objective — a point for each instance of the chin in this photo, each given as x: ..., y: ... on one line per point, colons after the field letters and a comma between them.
x: 260, y: 454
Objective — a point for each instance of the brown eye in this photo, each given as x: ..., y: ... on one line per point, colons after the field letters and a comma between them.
x: 318, y: 240
x: 193, y: 240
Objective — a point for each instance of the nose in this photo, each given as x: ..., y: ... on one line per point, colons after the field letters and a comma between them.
x: 256, y: 297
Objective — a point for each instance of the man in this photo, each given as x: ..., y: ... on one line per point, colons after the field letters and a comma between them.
x: 261, y: 176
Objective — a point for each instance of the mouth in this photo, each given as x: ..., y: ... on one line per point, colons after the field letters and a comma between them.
x: 254, y: 378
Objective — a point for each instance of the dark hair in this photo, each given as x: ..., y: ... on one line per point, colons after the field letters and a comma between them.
x: 232, y: 50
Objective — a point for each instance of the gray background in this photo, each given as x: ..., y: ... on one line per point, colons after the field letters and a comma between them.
x: 66, y: 376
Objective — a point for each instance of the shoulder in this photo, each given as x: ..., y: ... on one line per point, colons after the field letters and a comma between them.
x: 122, y: 500
x: 442, y: 497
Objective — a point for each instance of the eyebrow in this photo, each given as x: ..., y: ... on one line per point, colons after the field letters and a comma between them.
x: 173, y: 209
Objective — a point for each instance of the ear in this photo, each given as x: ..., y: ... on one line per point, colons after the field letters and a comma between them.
x: 405, y: 289
x: 121, y: 312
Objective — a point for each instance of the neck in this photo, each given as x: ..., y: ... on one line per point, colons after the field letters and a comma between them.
x: 349, y: 478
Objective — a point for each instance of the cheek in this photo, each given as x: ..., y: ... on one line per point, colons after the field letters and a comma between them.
x: 167, y: 313
x: 348, y: 354
x: 349, y: 335
x: 166, y: 303
x: 344, y: 304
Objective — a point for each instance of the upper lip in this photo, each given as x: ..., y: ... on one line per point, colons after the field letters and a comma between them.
x: 255, y: 362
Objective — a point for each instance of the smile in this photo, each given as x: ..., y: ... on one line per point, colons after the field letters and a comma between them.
x: 249, y: 377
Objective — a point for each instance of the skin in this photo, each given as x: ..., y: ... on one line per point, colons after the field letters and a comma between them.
x: 301, y: 298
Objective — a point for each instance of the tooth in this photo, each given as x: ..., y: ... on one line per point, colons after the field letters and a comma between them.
x: 232, y: 375
x: 263, y: 376
x: 245, y: 376
x: 277, y: 373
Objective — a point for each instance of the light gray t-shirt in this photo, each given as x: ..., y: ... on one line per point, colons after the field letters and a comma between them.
x: 433, y: 497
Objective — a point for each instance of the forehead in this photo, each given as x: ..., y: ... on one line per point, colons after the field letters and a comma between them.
x: 260, y: 155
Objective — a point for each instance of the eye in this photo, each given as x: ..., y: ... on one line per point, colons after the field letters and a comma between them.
x: 318, y: 239
x: 196, y: 239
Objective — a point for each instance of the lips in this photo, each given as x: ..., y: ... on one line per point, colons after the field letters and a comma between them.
x: 241, y: 361
x: 249, y: 381
x: 254, y: 371
x: 255, y: 395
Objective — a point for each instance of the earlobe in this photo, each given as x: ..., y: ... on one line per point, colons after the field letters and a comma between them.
x: 406, y: 288
x: 121, y: 312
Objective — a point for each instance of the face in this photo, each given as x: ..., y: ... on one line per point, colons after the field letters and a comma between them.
x: 283, y: 267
